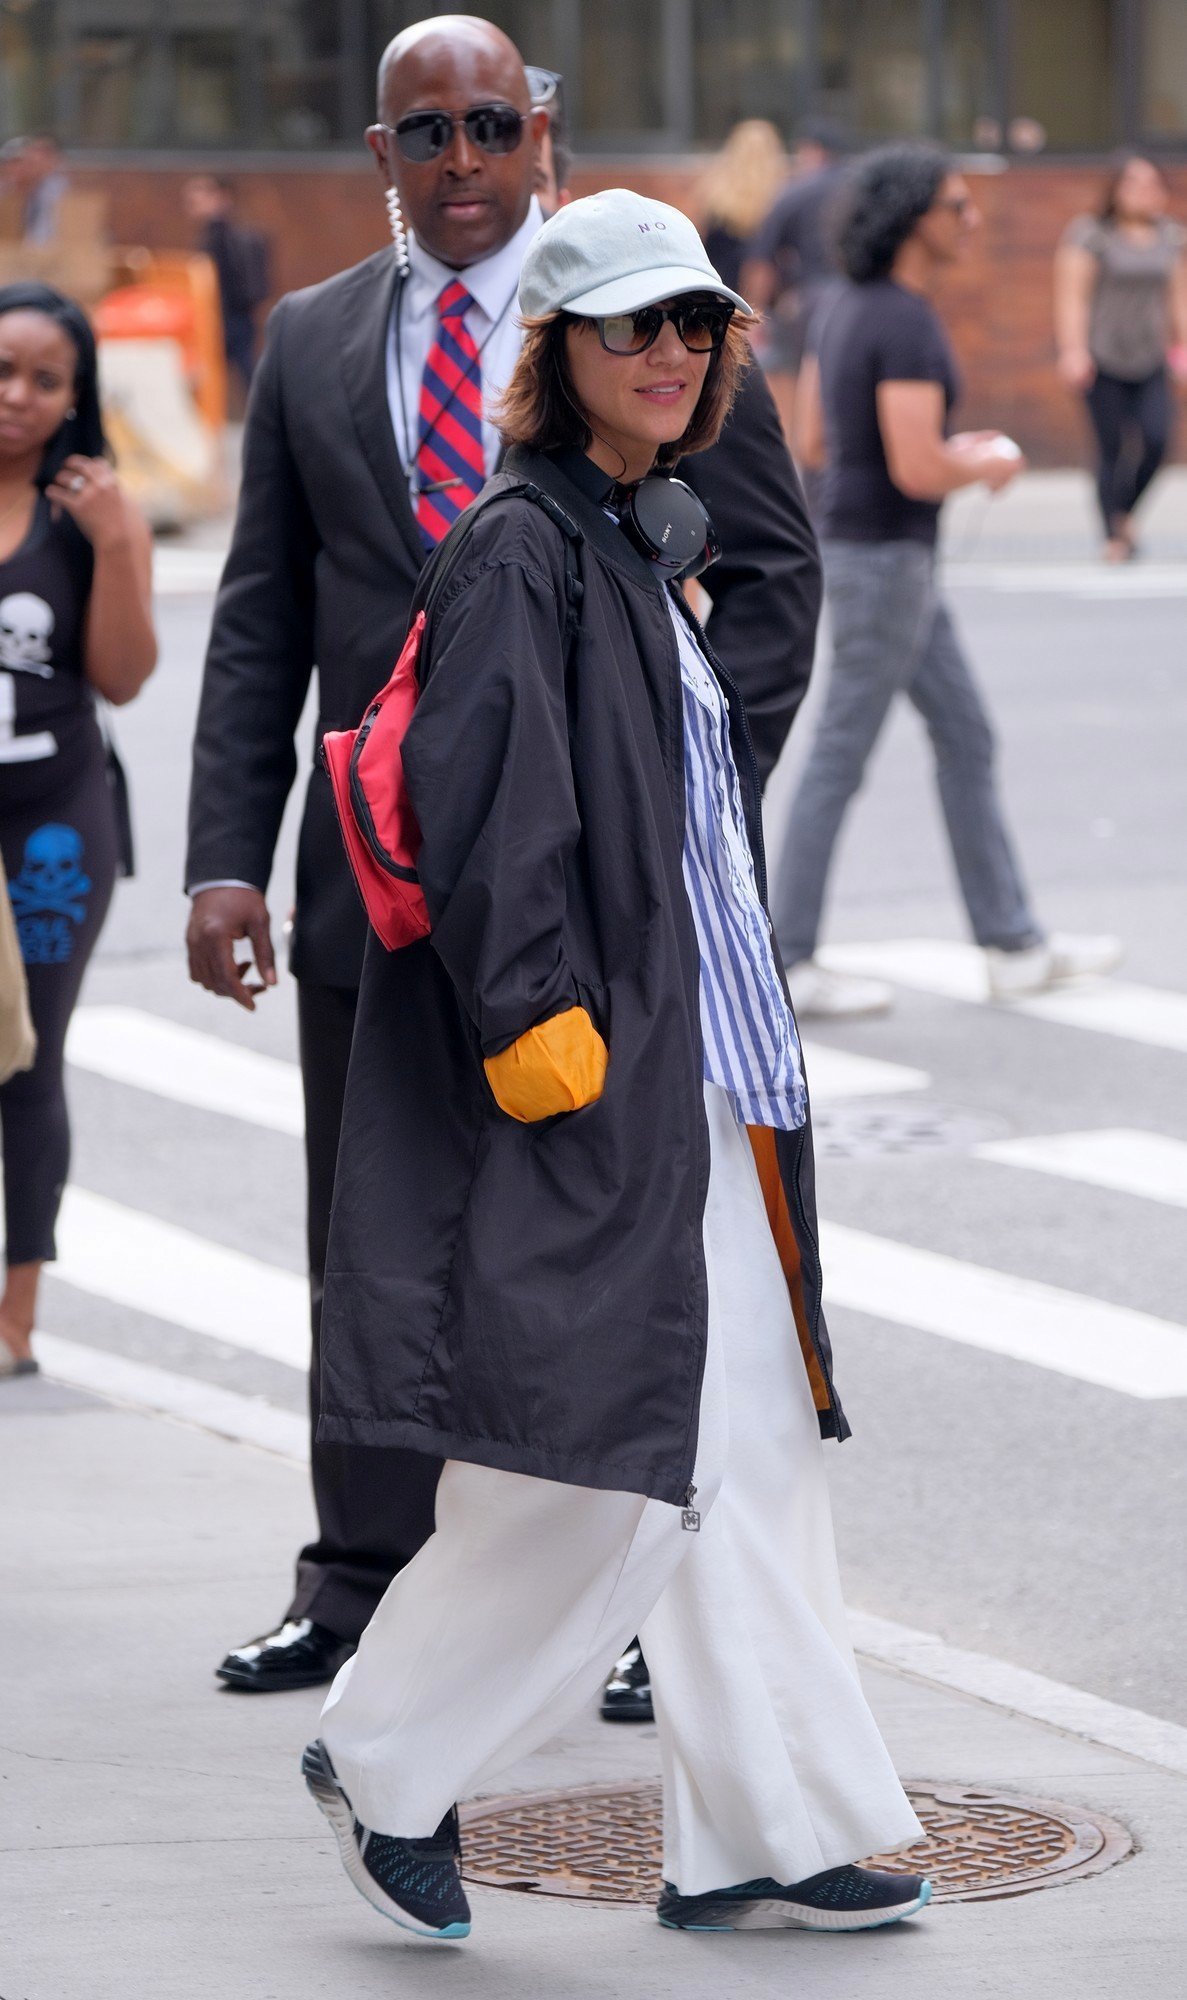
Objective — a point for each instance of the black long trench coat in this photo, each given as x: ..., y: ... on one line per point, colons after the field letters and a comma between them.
x: 533, y: 1297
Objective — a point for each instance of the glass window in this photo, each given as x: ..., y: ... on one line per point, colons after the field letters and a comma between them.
x: 969, y: 113
x: 620, y: 87
x: 26, y: 68
x: 873, y: 66
x: 748, y: 58
x: 297, y: 57
x: 119, y: 90
x: 1164, y: 69
x: 206, y: 87
x: 531, y: 24
x: 1063, y: 70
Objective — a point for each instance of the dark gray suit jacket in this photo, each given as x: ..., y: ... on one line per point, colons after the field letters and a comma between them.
x: 323, y: 563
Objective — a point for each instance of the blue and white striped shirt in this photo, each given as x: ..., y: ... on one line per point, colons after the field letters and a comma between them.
x: 751, y: 1047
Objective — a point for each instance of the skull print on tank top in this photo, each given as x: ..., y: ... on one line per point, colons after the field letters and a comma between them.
x: 46, y: 707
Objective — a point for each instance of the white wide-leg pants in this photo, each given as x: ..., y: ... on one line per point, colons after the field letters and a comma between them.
x: 508, y: 1620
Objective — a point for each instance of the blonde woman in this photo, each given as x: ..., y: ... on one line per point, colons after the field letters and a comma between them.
x: 736, y: 191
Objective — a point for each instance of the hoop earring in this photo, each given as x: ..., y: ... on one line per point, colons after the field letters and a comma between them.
x: 395, y: 217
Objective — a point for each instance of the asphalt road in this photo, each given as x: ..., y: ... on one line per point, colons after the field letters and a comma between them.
x: 1011, y: 1507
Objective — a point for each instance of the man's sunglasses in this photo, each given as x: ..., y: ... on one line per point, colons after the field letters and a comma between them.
x: 423, y: 135
x: 702, y: 327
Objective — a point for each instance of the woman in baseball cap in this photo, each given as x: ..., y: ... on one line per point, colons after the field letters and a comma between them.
x: 573, y: 1251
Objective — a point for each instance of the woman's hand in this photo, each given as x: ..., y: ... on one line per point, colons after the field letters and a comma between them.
x: 88, y: 490
x: 119, y: 643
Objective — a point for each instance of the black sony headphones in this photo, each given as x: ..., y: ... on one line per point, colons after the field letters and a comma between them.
x: 665, y: 521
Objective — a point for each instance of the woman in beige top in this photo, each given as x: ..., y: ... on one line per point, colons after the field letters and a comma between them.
x: 1121, y: 328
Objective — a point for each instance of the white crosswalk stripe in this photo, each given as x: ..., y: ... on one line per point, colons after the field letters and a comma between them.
x: 1149, y: 1014
x: 249, y: 1419
x: 131, y: 1258
x: 1112, y: 1346
x: 155, y: 1267
x: 1139, y: 1163
x: 835, y: 1075
x: 128, y: 1045
x: 1070, y: 579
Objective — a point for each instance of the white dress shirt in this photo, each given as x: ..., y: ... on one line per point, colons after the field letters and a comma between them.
x: 492, y: 323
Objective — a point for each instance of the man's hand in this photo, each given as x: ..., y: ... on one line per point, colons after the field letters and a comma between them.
x: 218, y: 918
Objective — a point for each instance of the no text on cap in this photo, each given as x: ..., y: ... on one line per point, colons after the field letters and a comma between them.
x: 613, y: 253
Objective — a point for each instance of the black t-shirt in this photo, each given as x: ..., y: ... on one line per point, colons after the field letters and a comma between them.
x: 874, y: 333
x: 796, y: 236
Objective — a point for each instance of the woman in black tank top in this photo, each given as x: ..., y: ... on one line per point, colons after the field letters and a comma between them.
x: 75, y: 621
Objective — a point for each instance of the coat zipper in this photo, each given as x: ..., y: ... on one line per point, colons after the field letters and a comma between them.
x: 738, y: 707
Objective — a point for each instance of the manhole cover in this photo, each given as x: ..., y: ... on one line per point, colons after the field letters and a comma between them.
x: 870, y: 1131
x: 604, y: 1844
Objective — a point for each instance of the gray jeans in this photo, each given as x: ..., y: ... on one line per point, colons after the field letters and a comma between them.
x: 891, y: 635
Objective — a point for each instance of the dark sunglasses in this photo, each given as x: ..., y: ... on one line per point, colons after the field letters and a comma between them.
x: 702, y: 327
x: 422, y: 135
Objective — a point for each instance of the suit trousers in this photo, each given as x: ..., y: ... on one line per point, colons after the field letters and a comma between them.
x: 374, y: 1507
x: 507, y: 1621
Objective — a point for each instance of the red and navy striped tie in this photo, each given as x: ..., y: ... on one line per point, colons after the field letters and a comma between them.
x: 449, y: 447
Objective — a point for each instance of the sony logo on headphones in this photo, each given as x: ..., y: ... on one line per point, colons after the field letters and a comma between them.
x: 667, y: 531
x: 644, y: 227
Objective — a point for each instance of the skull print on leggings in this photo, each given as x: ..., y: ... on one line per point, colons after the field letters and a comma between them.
x: 49, y: 896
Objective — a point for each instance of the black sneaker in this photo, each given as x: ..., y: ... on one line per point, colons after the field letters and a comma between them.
x: 841, y: 1899
x: 626, y: 1696
x: 414, y: 1882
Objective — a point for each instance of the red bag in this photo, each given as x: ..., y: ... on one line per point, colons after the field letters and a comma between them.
x: 366, y: 765
x: 366, y: 770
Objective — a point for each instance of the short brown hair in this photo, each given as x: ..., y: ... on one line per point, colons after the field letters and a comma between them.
x: 538, y: 408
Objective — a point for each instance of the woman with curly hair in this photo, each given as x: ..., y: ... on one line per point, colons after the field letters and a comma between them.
x: 882, y: 387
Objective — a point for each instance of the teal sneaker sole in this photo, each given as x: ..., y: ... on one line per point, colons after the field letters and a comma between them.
x: 333, y: 1802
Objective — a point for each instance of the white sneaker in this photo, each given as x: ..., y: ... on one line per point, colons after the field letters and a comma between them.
x: 1015, y: 975
x: 834, y: 996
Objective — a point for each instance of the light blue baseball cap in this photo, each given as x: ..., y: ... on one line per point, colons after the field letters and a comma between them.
x: 613, y: 253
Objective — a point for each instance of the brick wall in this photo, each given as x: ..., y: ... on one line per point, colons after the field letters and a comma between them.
x: 997, y: 306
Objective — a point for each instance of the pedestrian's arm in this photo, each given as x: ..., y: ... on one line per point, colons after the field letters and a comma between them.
x: 258, y: 665
x: 808, y: 435
x: 1178, y: 305
x: 1075, y: 278
x: 487, y: 764
x: 758, y: 281
x: 762, y: 274
x: 766, y: 586
x: 119, y: 642
x: 921, y: 461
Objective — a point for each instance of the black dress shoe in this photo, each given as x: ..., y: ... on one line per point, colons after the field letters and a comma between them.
x: 301, y: 1654
x: 626, y: 1696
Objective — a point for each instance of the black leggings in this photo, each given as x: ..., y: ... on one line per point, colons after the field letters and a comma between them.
x: 1132, y: 421
x: 60, y: 857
